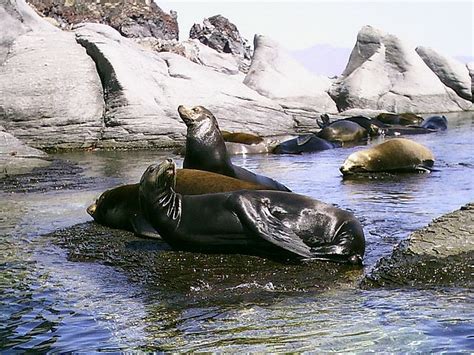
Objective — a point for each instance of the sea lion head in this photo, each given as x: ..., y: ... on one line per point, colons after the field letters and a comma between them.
x: 196, y: 116
x: 159, y: 177
x: 356, y: 163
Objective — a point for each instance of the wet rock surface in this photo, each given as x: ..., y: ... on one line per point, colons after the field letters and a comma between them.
x: 440, y: 254
x: 132, y: 18
x: 195, y: 276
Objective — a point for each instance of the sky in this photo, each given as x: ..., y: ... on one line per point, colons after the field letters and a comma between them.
x: 446, y: 26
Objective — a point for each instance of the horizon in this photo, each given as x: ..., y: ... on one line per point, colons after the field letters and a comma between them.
x: 444, y: 26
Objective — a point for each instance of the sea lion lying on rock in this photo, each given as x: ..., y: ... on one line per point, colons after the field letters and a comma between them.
x: 394, y: 155
x: 119, y: 207
x: 206, y: 150
x: 274, y: 223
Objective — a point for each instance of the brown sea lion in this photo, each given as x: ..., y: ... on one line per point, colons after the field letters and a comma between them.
x: 403, y: 119
x: 241, y: 137
x: 119, y: 208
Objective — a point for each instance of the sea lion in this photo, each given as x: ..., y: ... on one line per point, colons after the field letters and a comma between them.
x: 395, y: 155
x: 404, y: 119
x: 206, y: 150
x: 343, y: 131
x: 272, y: 223
x: 304, y: 144
x: 437, y: 123
x: 241, y: 137
x: 119, y: 208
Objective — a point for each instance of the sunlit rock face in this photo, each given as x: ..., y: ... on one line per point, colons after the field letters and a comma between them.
x: 275, y: 74
x: 132, y: 18
x: 451, y: 72
x: 51, y: 93
x: 384, y: 73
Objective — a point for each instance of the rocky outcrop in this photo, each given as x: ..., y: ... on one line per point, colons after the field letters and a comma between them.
x: 143, y: 90
x: 275, y: 74
x: 222, y: 35
x: 383, y: 73
x: 18, y: 158
x: 440, y: 254
x: 132, y: 18
x: 452, y: 73
x: 470, y: 68
x: 51, y: 94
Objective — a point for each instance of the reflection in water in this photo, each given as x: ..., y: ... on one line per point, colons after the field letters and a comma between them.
x: 90, y: 288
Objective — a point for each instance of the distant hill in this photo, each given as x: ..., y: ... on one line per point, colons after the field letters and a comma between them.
x: 323, y: 59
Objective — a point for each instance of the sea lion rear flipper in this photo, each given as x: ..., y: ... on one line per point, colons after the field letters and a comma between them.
x: 143, y: 228
x: 255, y: 214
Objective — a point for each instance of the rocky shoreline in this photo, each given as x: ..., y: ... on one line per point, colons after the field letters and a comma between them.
x: 116, y: 83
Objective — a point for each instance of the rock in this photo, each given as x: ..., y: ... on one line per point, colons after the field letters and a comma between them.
x: 275, y: 74
x: 132, y: 18
x: 18, y: 158
x: 383, y: 73
x: 143, y: 90
x: 470, y: 68
x: 440, y: 254
x: 196, y: 52
x: 222, y: 35
x: 51, y: 94
x: 451, y: 72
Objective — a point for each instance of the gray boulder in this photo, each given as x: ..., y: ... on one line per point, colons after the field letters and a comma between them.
x: 18, y: 158
x: 440, y: 254
x: 51, y: 93
x: 451, y: 72
x: 144, y: 88
x: 470, y: 68
x: 275, y: 74
x: 383, y: 73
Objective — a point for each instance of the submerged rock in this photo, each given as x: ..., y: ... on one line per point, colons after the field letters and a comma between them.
x: 51, y: 93
x: 452, y: 73
x: 223, y: 36
x: 143, y: 90
x: 383, y: 73
x: 442, y: 253
x: 132, y: 18
x: 275, y: 74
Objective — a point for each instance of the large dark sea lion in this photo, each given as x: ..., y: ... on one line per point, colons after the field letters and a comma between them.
x: 119, y: 207
x: 275, y: 223
x: 307, y: 143
x: 395, y: 155
x: 206, y: 150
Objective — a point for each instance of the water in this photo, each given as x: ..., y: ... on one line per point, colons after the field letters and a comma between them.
x: 92, y: 289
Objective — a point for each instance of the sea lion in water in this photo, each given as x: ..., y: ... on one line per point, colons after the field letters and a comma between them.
x: 272, y: 223
x: 372, y: 126
x: 343, y: 131
x: 307, y: 143
x: 241, y: 137
x: 206, y: 150
x: 395, y: 155
x: 438, y: 123
x: 403, y: 119
x: 119, y: 207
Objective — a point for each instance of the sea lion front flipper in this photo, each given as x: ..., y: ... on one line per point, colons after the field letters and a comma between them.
x: 301, y: 140
x: 255, y: 214
x: 143, y: 228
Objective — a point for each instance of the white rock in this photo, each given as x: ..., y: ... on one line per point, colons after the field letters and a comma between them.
x: 470, y: 68
x: 384, y: 73
x: 145, y: 88
x: 451, y: 72
x: 51, y: 93
x: 277, y: 75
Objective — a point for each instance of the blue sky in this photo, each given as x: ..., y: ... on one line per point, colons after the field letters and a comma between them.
x: 446, y: 26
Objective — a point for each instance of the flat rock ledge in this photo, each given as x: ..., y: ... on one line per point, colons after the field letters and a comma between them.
x: 440, y: 254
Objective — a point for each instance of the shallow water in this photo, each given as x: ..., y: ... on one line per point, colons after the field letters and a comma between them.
x: 69, y: 291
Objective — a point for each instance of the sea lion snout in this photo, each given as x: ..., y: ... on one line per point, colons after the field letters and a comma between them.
x: 185, y: 114
x: 91, y: 209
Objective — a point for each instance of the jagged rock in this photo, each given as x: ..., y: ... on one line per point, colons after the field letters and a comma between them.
x: 18, y: 158
x: 51, y: 94
x: 451, y: 72
x: 470, y: 68
x: 275, y: 74
x: 383, y: 73
x: 143, y: 90
x: 440, y: 254
x: 196, y: 52
x: 222, y: 35
x: 132, y: 18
